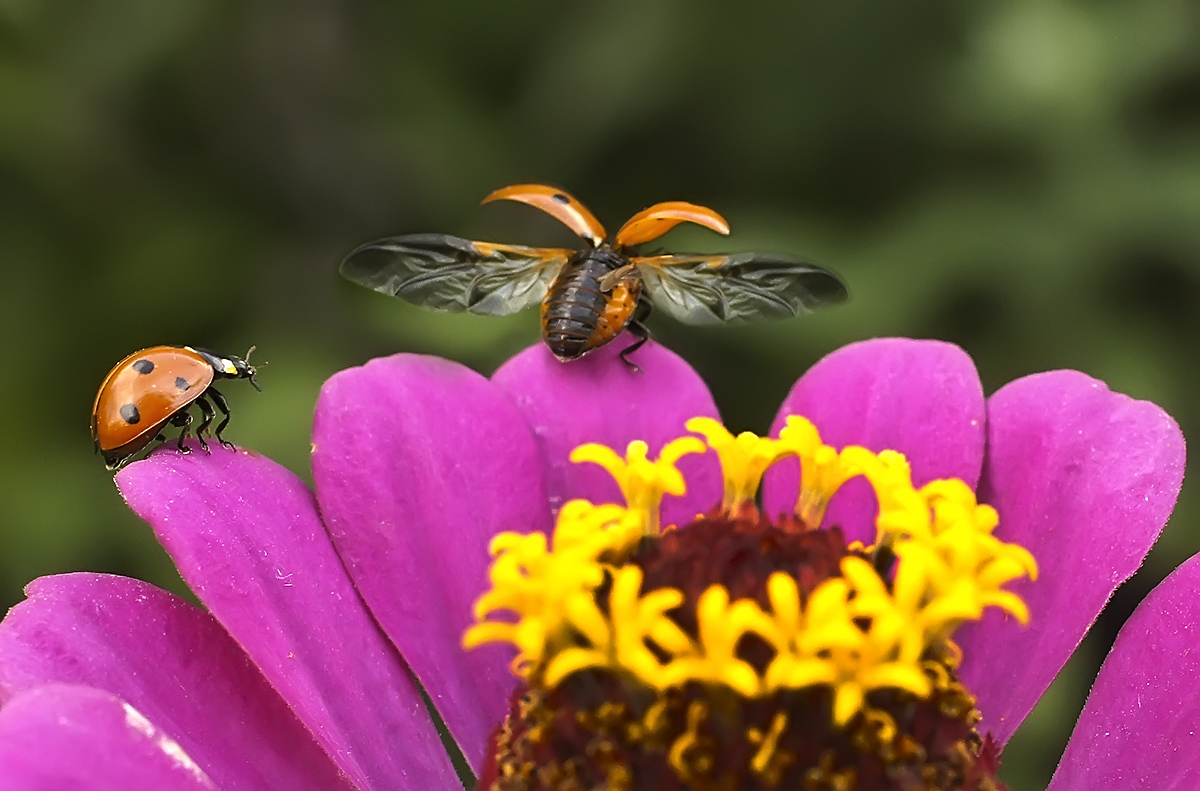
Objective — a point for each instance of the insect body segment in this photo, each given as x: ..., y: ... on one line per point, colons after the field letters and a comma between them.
x: 588, y: 297
x: 579, y: 313
x: 155, y: 387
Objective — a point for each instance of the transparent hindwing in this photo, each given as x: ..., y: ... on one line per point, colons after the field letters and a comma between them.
x: 712, y: 289
x: 449, y: 273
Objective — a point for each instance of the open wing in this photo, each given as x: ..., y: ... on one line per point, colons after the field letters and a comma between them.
x: 710, y: 289
x: 449, y: 273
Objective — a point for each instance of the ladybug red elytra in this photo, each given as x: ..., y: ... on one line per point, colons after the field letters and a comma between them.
x: 156, y: 386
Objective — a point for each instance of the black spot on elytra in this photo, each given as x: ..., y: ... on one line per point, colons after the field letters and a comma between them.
x: 143, y: 367
x: 130, y: 414
x: 560, y: 198
x: 182, y: 383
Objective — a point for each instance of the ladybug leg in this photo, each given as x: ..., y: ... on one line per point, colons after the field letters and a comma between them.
x: 209, y: 414
x: 639, y: 331
x: 222, y: 405
x: 183, y: 419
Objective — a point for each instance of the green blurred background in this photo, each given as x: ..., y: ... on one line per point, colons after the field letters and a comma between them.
x: 1021, y: 177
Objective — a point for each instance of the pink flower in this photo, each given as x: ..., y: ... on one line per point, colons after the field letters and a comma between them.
x: 325, y: 609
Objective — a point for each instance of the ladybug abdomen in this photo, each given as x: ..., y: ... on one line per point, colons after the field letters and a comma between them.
x: 576, y: 315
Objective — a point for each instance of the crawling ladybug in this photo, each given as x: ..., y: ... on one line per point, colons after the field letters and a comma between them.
x: 156, y: 386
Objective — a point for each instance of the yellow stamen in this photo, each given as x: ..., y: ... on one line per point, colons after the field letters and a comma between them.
x: 605, y: 532
x: 688, y: 756
x: 829, y: 647
x: 769, y: 762
x: 643, y: 482
x: 951, y: 561
x: 721, y: 626
x: 902, y: 511
x: 539, y: 585
x: 618, y: 641
x: 822, y: 469
x: 744, y: 459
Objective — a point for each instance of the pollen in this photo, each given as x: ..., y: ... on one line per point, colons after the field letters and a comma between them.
x: 738, y: 651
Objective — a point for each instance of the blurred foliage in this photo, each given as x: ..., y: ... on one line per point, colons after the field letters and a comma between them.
x: 1021, y: 177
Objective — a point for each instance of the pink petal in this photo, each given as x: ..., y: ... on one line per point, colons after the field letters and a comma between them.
x: 1141, y: 725
x: 245, y: 535
x: 1085, y: 479
x: 922, y: 398
x: 418, y: 462
x: 83, y: 739
x: 599, y: 399
x: 172, y: 662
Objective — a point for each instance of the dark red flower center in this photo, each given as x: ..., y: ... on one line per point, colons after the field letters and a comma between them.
x: 599, y: 729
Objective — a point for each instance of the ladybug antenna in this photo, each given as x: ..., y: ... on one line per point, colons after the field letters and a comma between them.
x: 252, y: 370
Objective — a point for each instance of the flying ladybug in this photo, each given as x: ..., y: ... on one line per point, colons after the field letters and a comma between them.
x: 589, y: 296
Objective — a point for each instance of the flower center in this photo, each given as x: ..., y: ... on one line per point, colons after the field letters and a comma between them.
x: 739, y: 651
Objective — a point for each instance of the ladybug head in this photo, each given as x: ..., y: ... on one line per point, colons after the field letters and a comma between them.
x: 246, y: 370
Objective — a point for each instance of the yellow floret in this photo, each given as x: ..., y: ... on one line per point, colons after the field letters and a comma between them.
x: 744, y: 459
x: 539, y: 585
x: 721, y: 625
x: 872, y: 628
x: 618, y: 639
x: 830, y: 646
x: 643, y: 482
x: 823, y: 469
